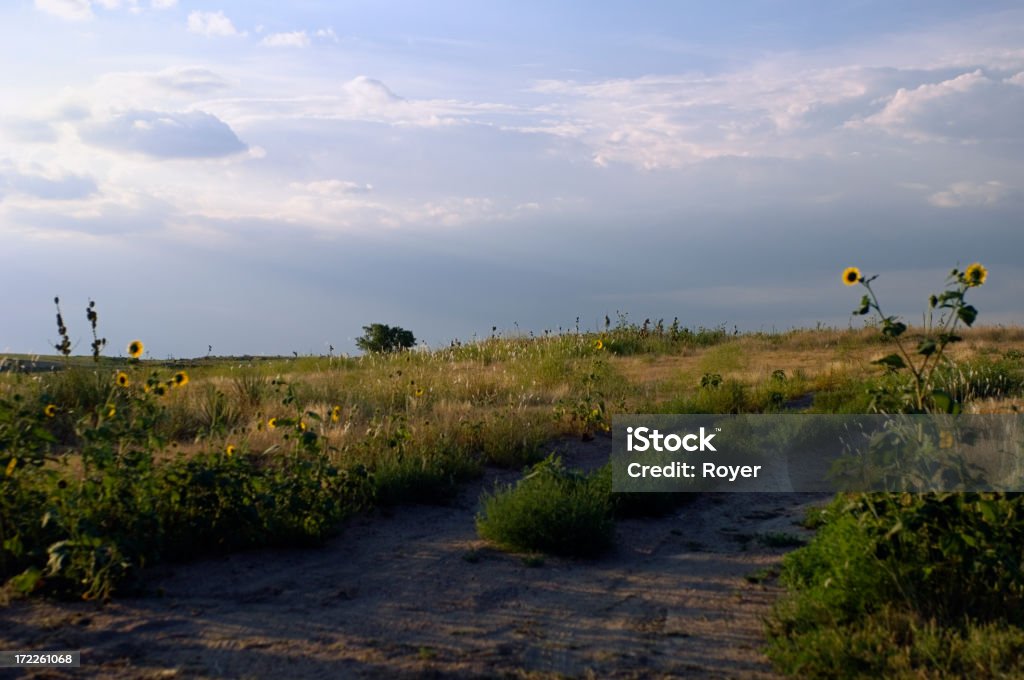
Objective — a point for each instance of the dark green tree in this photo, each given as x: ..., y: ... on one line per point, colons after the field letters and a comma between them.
x: 379, y: 337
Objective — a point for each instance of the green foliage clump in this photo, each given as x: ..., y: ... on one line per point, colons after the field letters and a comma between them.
x: 889, y: 576
x: 382, y: 338
x: 551, y: 510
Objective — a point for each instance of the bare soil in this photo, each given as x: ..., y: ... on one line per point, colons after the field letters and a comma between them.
x: 416, y: 594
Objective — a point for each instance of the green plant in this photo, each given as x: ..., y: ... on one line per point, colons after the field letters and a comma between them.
x: 937, y: 335
x: 711, y: 380
x: 552, y: 510
x: 382, y: 338
x: 586, y: 410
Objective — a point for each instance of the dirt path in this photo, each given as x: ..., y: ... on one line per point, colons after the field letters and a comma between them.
x: 417, y: 595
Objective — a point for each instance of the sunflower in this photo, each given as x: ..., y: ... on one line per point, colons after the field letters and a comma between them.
x: 13, y: 463
x: 272, y: 424
x: 159, y: 390
x: 851, y: 275
x: 122, y: 379
x: 335, y: 414
x: 180, y: 379
x: 419, y: 392
x: 111, y: 411
x: 50, y: 411
x: 135, y: 348
x: 302, y: 425
x: 975, y: 274
x: 598, y: 344
x: 229, y: 450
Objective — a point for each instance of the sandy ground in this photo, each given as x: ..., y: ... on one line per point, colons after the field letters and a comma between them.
x: 416, y: 594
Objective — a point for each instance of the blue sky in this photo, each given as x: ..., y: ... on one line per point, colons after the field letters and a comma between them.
x: 269, y: 177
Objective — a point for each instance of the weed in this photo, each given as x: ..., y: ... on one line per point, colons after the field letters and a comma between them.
x: 552, y: 510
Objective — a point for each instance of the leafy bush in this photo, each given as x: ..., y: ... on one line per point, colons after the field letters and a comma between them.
x: 381, y: 338
x: 552, y: 510
x: 952, y: 561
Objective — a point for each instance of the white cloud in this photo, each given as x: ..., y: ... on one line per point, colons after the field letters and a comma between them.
x: 163, y: 4
x: 359, y: 99
x: 292, y: 39
x: 970, y: 194
x: 370, y: 93
x: 159, y: 134
x: 674, y: 120
x: 969, y: 107
x: 211, y: 24
x: 189, y: 79
x: 331, y: 187
x: 50, y: 186
x: 74, y: 10
x: 327, y: 34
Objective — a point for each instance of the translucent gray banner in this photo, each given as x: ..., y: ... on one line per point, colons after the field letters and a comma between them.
x: 832, y: 453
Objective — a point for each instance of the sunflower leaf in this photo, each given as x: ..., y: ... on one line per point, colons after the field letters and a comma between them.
x: 892, y: 361
x: 967, y: 314
x: 893, y: 329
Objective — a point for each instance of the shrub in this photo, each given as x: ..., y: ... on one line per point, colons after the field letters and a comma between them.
x: 552, y: 510
x: 885, y: 567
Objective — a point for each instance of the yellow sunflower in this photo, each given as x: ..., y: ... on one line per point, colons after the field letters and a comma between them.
x: 975, y: 274
x: 335, y: 414
x: 50, y: 411
x: 180, y: 379
x: 851, y: 276
x: 419, y: 392
x: 229, y: 450
x: 598, y: 344
x: 272, y: 424
x: 111, y: 411
x: 135, y: 349
x: 13, y: 463
x: 122, y: 379
x: 159, y: 390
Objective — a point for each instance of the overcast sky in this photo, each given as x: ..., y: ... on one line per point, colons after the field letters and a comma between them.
x: 268, y: 177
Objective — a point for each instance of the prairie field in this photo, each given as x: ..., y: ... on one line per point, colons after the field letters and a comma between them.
x: 449, y: 512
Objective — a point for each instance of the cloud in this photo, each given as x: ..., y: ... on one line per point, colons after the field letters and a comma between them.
x: 327, y: 34
x: 330, y: 187
x: 970, y: 194
x: 163, y: 4
x: 59, y: 187
x: 970, y: 107
x: 189, y: 79
x: 670, y: 121
x: 292, y: 39
x: 211, y: 24
x: 25, y: 130
x: 370, y: 93
x: 116, y: 4
x: 73, y: 10
x: 160, y: 134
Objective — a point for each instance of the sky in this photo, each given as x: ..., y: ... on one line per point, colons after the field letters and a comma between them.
x: 267, y: 178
